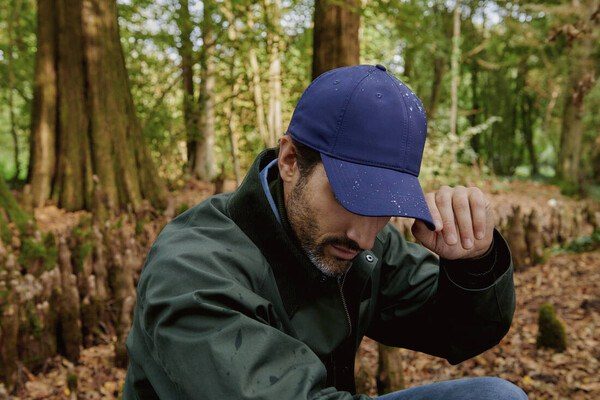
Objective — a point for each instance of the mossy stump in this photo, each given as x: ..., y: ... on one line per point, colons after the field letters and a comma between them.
x: 551, y: 333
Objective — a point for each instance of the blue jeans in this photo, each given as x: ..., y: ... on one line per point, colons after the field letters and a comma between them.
x: 485, y: 388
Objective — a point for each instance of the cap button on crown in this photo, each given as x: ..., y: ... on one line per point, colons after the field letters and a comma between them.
x: 381, y: 67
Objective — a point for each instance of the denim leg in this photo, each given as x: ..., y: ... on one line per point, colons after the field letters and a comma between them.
x: 484, y: 388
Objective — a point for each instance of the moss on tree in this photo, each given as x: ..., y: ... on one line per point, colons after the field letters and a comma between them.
x: 39, y: 251
x: 551, y: 332
x: 84, y: 240
x: 10, y: 211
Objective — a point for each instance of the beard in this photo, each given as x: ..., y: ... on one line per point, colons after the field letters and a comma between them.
x: 306, y: 228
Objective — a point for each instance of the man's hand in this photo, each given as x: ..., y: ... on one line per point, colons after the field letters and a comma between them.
x: 464, y: 223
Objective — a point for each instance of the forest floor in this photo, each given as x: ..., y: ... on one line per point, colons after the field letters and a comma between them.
x: 570, y: 281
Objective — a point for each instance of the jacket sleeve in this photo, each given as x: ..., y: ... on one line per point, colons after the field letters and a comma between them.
x: 450, y: 309
x: 213, y: 337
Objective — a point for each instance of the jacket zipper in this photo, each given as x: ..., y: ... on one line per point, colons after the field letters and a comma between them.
x: 340, y: 281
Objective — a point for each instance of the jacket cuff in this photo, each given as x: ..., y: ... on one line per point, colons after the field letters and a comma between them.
x: 481, y: 272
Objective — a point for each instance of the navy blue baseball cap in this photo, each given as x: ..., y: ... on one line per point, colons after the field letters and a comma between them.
x: 370, y: 130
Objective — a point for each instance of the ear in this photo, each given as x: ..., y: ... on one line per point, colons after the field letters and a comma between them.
x: 287, y: 162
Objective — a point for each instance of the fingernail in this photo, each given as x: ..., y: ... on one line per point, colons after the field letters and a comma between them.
x: 468, y: 243
x: 479, y: 235
x: 452, y: 238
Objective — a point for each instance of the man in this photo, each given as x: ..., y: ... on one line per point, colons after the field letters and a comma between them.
x: 266, y: 293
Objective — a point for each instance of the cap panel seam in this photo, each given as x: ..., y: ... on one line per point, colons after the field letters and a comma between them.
x: 298, y: 107
x: 341, y: 121
x: 405, y: 120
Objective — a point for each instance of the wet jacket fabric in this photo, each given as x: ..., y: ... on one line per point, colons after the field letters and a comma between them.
x: 229, y: 307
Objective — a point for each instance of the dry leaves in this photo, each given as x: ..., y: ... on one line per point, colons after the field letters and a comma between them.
x: 572, y: 283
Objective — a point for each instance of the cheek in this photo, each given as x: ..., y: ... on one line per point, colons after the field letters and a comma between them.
x: 330, y: 212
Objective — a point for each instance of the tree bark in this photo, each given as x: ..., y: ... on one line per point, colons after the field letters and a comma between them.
x: 14, y: 16
x: 254, y: 75
x: 475, y: 105
x: 204, y: 164
x: 43, y: 125
x: 582, y: 77
x: 11, y: 211
x: 73, y: 186
x: 455, y: 68
x: 390, y: 377
x: 439, y: 67
x: 273, y: 16
x: 335, y: 38
x: 230, y: 111
x: 259, y: 106
x: 527, y: 105
x: 89, y: 127
x: 186, y: 52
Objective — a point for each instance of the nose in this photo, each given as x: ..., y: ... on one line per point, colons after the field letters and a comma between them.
x: 363, y: 230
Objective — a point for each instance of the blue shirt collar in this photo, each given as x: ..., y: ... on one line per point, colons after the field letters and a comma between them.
x: 264, y: 173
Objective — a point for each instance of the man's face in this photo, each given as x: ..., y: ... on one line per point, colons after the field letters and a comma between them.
x: 330, y: 235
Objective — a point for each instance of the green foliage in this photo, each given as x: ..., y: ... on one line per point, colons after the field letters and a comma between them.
x: 182, y: 208
x: 139, y: 226
x: 449, y: 159
x: 514, y: 69
x: 551, y: 333
x: 84, y: 242
x: 10, y: 208
x: 20, y: 48
x: 5, y: 233
x: 584, y: 243
x: 570, y: 189
x: 72, y: 380
x: 44, y: 251
x: 34, y: 320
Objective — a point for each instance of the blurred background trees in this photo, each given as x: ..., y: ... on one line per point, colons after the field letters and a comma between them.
x: 208, y: 84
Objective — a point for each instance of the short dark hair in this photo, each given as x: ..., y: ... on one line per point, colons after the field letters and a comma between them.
x: 306, y: 157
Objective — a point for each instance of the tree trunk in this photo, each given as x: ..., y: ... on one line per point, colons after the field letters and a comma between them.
x: 439, y: 67
x: 409, y: 62
x: 14, y: 16
x: 89, y: 127
x: 42, y: 150
x: 204, y: 165
x: 475, y: 106
x: 527, y: 104
x: 335, y: 38
x: 390, y: 377
x: 455, y: 69
x: 582, y: 77
x: 186, y: 52
x: 230, y: 111
x: 254, y: 72
x: 273, y: 16
x: 230, y: 116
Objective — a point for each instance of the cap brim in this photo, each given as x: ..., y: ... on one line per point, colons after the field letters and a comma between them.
x: 376, y: 191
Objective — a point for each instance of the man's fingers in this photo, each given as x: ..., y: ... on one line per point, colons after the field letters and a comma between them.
x: 478, y: 212
x: 443, y: 200
x: 435, y: 213
x: 462, y: 214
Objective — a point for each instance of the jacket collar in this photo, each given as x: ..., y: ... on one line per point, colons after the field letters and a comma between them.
x: 297, y: 278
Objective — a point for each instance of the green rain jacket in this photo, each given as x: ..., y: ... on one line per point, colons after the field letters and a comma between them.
x: 229, y: 307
